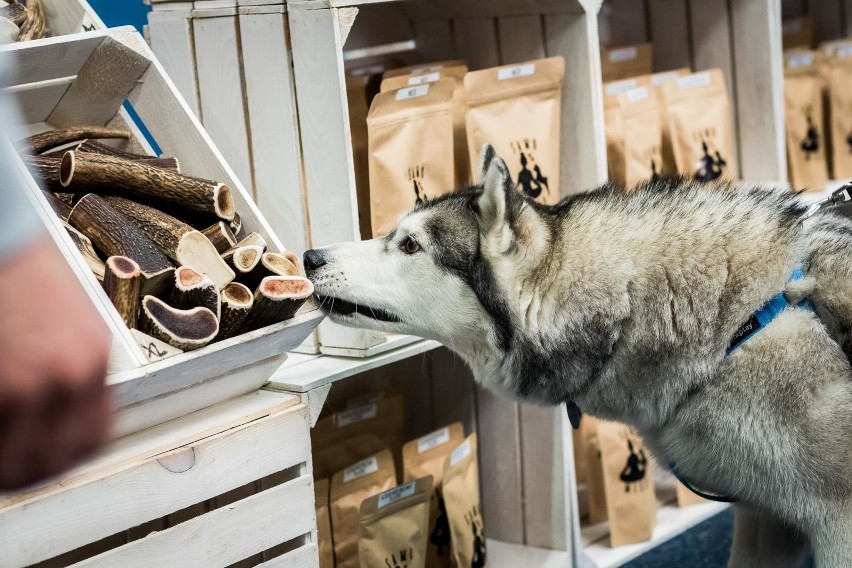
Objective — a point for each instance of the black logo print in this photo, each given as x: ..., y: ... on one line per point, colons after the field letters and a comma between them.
x: 655, y: 175
x: 415, y: 176
x: 440, y: 536
x: 811, y: 142
x: 711, y: 165
x: 400, y: 559
x: 152, y: 351
x: 849, y: 141
x: 480, y: 554
x: 530, y: 179
x: 634, y: 470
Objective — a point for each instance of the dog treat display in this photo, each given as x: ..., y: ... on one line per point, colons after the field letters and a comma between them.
x: 349, y: 487
x: 516, y: 109
x: 394, y: 526
x: 629, y: 61
x: 840, y: 97
x: 411, y: 150
x: 594, y: 471
x: 163, y: 244
x: 324, y: 544
x: 461, y: 497
x: 22, y: 22
x: 634, y: 136
x: 669, y: 167
x: 423, y: 68
x: 805, y: 117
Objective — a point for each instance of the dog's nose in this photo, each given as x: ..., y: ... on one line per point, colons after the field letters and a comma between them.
x: 314, y: 259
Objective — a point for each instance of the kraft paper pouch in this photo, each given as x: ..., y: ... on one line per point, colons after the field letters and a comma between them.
x: 423, y: 68
x: 461, y: 497
x: 624, y: 62
x: 594, y: 474
x: 686, y: 498
x: 516, y: 109
x: 641, y: 143
x: 349, y: 487
x: 701, y: 126
x: 425, y: 456
x: 411, y: 150
x: 803, y: 110
x: 356, y: 95
x: 355, y: 433
x: 456, y: 73
x: 628, y: 475
x: 797, y: 32
x: 840, y: 96
x: 394, y: 526
x: 326, y: 549
x: 669, y: 168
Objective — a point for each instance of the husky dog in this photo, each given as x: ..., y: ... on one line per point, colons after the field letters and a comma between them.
x: 626, y: 303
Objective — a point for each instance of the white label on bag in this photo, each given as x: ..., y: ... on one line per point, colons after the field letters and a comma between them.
x: 515, y: 72
x: 636, y: 95
x: 844, y: 51
x: 412, y: 92
x: 460, y: 453
x: 355, y: 415
x: 397, y: 493
x: 802, y: 59
x: 360, y: 469
x: 623, y: 54
x: 620, y: 86
x: 421, y: 79
x: 664, y: 77
x: 791, y: 26
x: 433, y: 440
x: 693, y: 81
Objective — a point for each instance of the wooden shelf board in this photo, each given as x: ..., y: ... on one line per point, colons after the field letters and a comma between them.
x: 507, y: 555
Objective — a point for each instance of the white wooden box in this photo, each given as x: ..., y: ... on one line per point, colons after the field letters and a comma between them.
x: 70, y: 17
x: 226, y: 484
x: 60, y: 81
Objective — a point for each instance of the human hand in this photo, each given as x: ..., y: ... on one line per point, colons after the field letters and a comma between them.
x: 54, y: 407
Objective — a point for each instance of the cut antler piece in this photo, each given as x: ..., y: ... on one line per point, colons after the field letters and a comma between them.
x: 115, y: 235
x: 237, y: 301
x: 39, y: 143
x: 277, y: 299
x: 95, y: 147
x: 60, y: 203
x: 221, y: 236
x: 15, y: 13
x: 243, y: 259
x: 272, y: 264
x: 108, y: 174
x: 84, y: 245
x: 176, y: 239
x: 236, y: 225
x: 45, y: 169
x: 192, y: 289
x: 122, y: 282
x: 250, y: 240
x: 35, y: 25
x: 184, y: 329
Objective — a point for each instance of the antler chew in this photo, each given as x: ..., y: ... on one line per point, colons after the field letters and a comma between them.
x: 59, y: 202
x: 272, y: 264
x: 176, y: 239
x: 122, y: 282
x: 192, y: 289
x: 252, y: 239
x: 84, y: 245
x: 237, y: 301
x: 39, y: 143
x: 46, y: 169
x: 115, y: 235
x: 184, y: 329
x: 15, y: 13
x: 277, y: 299
x: 94, y: 147
x: 236, y: 225
x: 35, y: 25
x: 108, y: 174
x: 221, y: 236
x: 243, y: 259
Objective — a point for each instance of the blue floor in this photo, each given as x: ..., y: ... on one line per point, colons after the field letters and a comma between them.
x: 706, y: 545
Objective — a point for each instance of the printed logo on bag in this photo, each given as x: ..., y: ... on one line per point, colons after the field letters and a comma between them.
x: 653, y: 157
x: 360, y: 469
x: 355, y: 415
x: 633, y: 474
x: 531, y: 181
x: 440, y: 535
x: 415, y: 176
x: 433, y: 440
x: 711, y: 165
x: 400, y: 559
x: 480, y: 554
x: 810, y: 144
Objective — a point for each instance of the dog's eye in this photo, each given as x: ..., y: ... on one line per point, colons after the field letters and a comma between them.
x: 409, y: 246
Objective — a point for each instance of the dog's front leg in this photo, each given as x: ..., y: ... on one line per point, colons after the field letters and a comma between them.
x: 761, y: 541
x: 831, y: 538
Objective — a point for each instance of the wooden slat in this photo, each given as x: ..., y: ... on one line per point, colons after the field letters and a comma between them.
x: 37, y: 100
x: 276, y: 148
x: 669, y: 31
x: 224, y: 536
x: 303, y: 557
x: 217, y: 60
x: 521, y: 38
x: 434, y: 39
x: 476, y: 42
x: 583, y: 147
x: 827, y: 16
x: 171, y: 39
x: 760, y: 90
x: 109, y: 500
x: 67, y: 17
x: 622, y: 22
x: 50, y: 58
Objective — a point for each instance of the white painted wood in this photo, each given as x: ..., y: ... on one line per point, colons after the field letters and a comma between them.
x: 507, y: 555
x: 305, y: 556
x: 668, y: 28
x: 70, y: 17
x: 476, y: 42
x: 37, y: 100
x: 276, y: 149
x: 224, y: 536
x: 172, y: 40
x: 152, y: 348
x: 315, y: 400
x: 217, y: 60
x: 53, y: 57
x: 521, y: 38
x: 434, y: 40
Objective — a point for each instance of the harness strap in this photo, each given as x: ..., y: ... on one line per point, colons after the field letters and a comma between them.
x: 718, y: 498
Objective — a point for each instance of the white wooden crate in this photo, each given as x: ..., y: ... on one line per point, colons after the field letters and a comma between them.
x: 60, y: 82
x: 221, y: 485
x: 70, y: 17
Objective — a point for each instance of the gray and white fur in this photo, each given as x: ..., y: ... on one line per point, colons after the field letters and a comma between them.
x: 625, y: 302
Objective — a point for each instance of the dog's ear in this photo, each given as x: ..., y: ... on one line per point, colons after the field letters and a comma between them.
x: 499, y: 199
x: 486, y: 156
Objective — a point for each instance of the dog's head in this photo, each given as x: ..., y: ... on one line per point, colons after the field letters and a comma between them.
x: 452, y: 270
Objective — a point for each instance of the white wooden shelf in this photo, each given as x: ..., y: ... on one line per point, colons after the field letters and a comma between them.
x: 506, y: 555
x: 302, y: 373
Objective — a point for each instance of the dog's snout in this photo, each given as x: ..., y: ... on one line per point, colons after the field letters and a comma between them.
x: 314, y: 259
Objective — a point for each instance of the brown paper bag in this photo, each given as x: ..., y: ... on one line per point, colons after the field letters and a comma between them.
x: 411, y: 150
x: 394, y: 526
x: 356, y: 95
x: 669, y: 168
x: 614, y: 124
x: 516, y: 109
x: 701, y: 125
x: 595, y: 474
x: 624, y: 62
x: 423, y: 68
x: 326, y: 548
x: 456, y: 73
x: 803, y: 109
x: 355, y: 433
x: 641, y: 144
x: 349, y: 487
x: 628, y: 474
x: 425, y: 456
x: 797, y: 32
x: 461, y: 497
x: 686, y: 498
x: 840, y: 96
